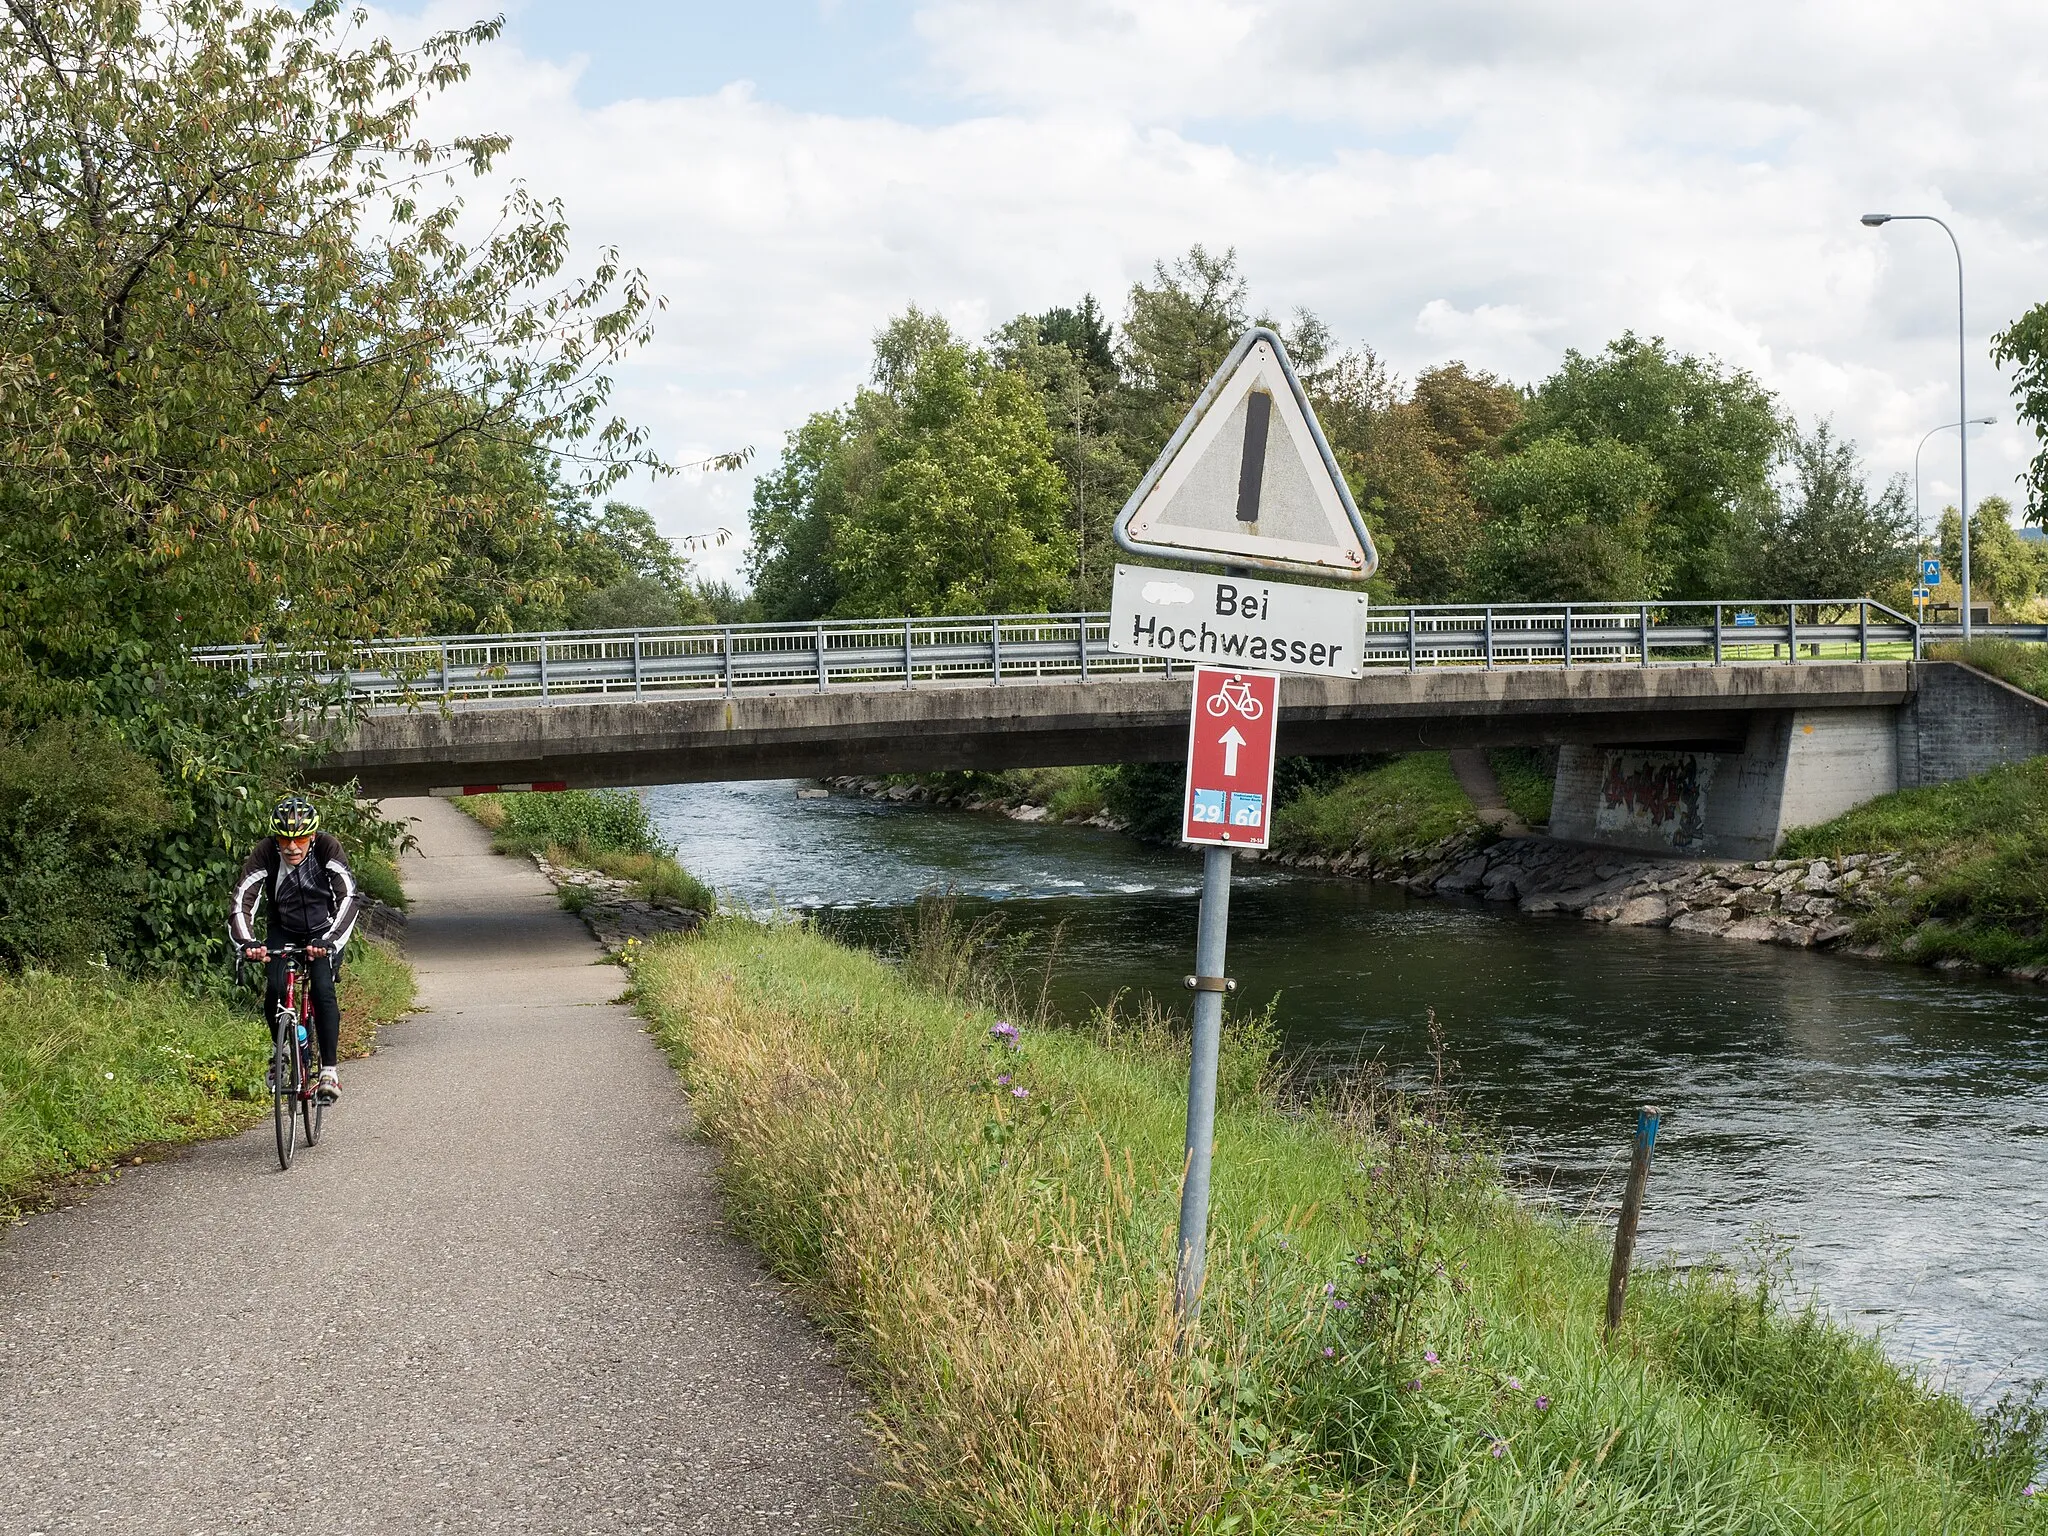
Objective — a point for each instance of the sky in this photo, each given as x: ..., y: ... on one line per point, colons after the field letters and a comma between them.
x: 1490, y: 182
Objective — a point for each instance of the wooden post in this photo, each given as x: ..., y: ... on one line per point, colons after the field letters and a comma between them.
x: 1647, y: 1120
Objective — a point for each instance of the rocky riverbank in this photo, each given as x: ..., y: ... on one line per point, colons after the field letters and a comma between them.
x: 901, y: 792
x: 614, y: 909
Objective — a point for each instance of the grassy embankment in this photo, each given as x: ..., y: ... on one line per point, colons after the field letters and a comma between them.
x: 101, y: 1069
x: 1981, y: 845
x: 605, y: 830
x: 1390, y: 1343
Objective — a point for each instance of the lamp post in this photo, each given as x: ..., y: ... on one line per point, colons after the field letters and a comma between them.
x: 1946, y: 426
x: 1873, y: 220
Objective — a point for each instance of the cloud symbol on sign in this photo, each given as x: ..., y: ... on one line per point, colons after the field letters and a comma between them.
x: 1166, y: 593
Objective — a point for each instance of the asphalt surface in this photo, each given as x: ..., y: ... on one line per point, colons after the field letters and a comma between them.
x: 496, y: 1297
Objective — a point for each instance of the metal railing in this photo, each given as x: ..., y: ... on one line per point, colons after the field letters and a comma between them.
x: 598, y: 665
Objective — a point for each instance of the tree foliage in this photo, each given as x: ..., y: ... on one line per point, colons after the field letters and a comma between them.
x: 2004, y: 569
x: 935, y: 492
x: 256, y: 383
x: 2023, y: 347
x: 251, y: 378
x: 1825, y: 535
x: 1568, y: 521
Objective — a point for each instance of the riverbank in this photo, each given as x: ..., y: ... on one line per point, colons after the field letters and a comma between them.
x: 101, y: 1070
x: 601, y: 854
x: 1390, y: 1342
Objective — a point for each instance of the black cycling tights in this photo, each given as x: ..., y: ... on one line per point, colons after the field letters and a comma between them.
x: 326, y: 1011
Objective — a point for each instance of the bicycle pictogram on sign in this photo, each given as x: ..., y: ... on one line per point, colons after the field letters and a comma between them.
x: 1235, y: 694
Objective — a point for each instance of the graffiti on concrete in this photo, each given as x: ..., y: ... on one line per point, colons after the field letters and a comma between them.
x: 1662, y: 795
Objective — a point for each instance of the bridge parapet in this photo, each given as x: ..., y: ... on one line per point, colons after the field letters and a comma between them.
x: 465, y: 671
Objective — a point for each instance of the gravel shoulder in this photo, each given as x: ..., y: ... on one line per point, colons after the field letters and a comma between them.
x: 497, y: 1297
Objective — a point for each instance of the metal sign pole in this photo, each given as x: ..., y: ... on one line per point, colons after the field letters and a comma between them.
x: 1211, y: 931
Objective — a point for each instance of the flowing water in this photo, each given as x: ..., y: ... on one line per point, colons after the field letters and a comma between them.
x: 1888, y: 1124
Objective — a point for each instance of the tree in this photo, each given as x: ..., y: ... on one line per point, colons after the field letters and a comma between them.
x: 962, y: 510
x: 251, y: 383
x: 933, y: 492
x: 1824, y: 535
x: 1713, y: 434
x: 2023, y: 347
x: 2004, y: 569
x: 1568, y: 521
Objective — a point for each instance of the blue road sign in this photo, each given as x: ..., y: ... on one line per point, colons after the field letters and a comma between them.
x: 1930, y: 572
x: 1745, y: 621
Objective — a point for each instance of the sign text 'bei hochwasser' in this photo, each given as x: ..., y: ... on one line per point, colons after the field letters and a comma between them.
x: 1237, y: 621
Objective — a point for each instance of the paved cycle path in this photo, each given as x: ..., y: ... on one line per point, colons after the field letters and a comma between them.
x: 496, y: 1297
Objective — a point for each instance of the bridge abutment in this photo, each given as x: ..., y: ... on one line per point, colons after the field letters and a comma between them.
x: 1797, y: 768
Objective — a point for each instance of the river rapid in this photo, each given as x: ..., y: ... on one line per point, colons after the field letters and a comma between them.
x: 1887, y: 1125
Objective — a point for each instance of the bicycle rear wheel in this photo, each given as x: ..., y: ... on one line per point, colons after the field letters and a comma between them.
x: 284, y: 1090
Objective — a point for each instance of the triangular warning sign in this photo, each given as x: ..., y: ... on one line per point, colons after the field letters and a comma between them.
x: 1249, y: 479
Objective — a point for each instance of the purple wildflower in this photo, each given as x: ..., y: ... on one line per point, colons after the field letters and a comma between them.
x: 1500, y: 1449
x: 1414, y: 1386
x: 1543, y: 1405
x: 1004, y: 1031
x: 1020, y: 1093
x: 1429, y: 1357
x: 1331, y: 1354
x: 2029, y: 1491
x: 1514, y: 1383
x: 1330, y: 1290
x: 1003, y: 1080
x: 1339, y: 1303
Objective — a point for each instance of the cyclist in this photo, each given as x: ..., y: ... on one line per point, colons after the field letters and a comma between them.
x: 313, y: 903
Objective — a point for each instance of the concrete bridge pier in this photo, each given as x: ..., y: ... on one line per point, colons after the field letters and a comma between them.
x: 1797, y: 768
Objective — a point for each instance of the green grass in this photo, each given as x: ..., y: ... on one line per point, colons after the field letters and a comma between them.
x: 607, y: 830
x: 377, y: 873
x: 1526, y: 776
x: 998, y: 1269
x: 2014, y: 661
x: 1982, y: 846
x: 97, y: 1069
x: 1408, y: 803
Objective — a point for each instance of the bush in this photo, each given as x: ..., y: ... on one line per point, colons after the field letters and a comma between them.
x: 1410, y: 802
x: 79, y: 812
x: 586, y: 821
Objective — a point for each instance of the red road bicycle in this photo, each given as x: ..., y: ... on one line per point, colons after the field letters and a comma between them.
x: 294, y: 1062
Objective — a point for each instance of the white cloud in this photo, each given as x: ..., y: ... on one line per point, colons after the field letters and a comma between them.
x: 1490, y: 181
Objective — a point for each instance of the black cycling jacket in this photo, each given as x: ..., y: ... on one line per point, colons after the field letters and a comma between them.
x: 321, y: 906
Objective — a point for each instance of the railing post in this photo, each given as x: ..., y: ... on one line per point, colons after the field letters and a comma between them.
x: 725, y: 642
x: 821, y: 658
x: 1645, y: 629
x: 1081, y: 637
x: 909, y: 673
x: 1717, y: 634
x: 543, y: 668
x: 1863, y: 629
x: 1489, y: 637
x: 636, y: 664
x: 444, y: 671
x: 1567, y: 634
x: 1411, y: 639
x: 995, y: 648
x: 1792, y: 632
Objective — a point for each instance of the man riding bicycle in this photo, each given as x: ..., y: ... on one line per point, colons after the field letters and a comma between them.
x: 313, y: 904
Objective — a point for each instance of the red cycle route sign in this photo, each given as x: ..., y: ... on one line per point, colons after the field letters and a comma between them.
x: 1230, y: 758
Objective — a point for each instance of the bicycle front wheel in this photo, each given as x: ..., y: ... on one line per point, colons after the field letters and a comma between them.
x: 309, y: 1101
x: 284, y: 1091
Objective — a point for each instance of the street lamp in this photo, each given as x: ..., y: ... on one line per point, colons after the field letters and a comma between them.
x: 1873, y: 220
x: 1946, y: 426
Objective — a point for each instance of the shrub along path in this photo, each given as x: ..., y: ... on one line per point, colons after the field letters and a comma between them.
x: 497, y: 1296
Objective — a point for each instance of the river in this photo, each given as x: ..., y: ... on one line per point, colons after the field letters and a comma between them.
x: 1888, y: 1125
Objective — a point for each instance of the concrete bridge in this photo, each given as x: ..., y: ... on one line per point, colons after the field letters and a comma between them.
x: 1707, y: 733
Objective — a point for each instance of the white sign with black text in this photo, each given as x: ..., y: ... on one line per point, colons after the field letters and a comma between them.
x: 1237, y: 621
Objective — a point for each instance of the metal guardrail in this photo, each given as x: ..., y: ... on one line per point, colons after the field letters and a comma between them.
x: 596, y: 665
